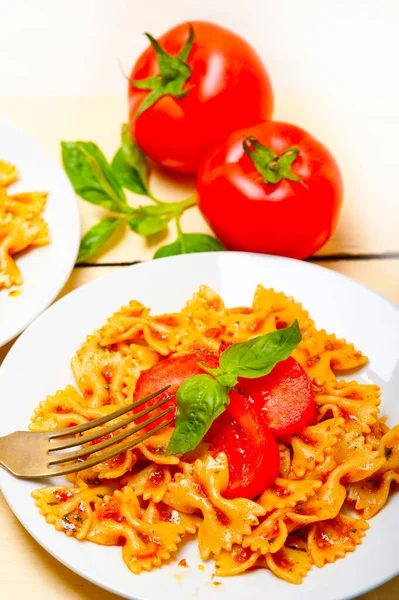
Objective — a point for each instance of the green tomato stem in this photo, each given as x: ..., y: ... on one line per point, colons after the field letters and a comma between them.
x: 154, y: 199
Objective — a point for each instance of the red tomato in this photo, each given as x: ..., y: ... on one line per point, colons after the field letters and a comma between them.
x: 172, y: 372
x: 254, y: 460
x: 228, y: 89
x: 249, y: 213
x: 285, y: 397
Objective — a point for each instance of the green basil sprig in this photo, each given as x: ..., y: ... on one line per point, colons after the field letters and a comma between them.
x: 202, y: 398
x: 103, y: 184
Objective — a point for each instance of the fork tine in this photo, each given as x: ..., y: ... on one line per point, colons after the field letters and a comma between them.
x: 101, y: 420
x: 79, y: 441
x: 107, y: 454
x: 61, y: 458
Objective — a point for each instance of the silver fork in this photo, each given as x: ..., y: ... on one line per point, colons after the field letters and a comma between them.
x: 31, y: 455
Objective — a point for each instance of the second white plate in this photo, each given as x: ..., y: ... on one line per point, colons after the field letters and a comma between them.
x: 45, y: 270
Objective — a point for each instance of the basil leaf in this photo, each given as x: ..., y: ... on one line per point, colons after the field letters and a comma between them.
x: 127, y: 176
x: 149, y: 220
x: 189, y: 243
x: 258, y: 356
x: 92, y: 177
x: 130, y: 166
x: 96, y: 237
x: 148, y: 225
x: 200, y: 400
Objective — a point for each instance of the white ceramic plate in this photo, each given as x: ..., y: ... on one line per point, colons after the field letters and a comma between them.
x: 38, y: 364
x: 45, y: 270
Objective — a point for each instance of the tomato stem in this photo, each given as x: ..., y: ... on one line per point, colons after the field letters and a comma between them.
x: 270, y: 166
x: 174, y: 71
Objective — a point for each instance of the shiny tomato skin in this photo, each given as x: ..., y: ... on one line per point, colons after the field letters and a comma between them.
x: 170, y: 371
x: 286, y: 218
x: 241, y: 432
x: 229, y: 89
x: 285, y: 397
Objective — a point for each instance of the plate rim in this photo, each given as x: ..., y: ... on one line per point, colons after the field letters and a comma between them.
x: 54, y: 552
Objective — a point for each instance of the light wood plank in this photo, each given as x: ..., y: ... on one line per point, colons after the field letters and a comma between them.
x: 370, y: 216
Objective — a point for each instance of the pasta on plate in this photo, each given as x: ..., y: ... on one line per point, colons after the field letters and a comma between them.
x: 148, y: 502
x: 21, y: 226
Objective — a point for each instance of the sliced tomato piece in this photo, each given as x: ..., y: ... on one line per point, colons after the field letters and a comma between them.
x: 170, y: 371
x: 285, y: 397
x: 242, y: 433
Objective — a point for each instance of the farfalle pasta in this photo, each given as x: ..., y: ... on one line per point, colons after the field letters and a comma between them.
x: 148, y: 502
x: 21, y: 225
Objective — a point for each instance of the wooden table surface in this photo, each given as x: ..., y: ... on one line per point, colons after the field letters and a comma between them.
x: 77, y: 104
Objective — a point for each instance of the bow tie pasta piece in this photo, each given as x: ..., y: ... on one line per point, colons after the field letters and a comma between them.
x: 60, y: 411
x: 200, y: 488
x: 69, y: 510
x: 329, y: 499
x: 313, y: 445
x: 116, y: 467
x: 26, y: 205
x: 236, y: 561
x: 357, y: 403
x: 349, y: 442
x: 286, y: 493
x: 371, y: 495
x: 154, y: 449
x: 281, y: 308
x: 133, y: 323
x: 204, y: 313
x: 107, y: 375
x: 151, y: 483
x: 291, y: 563
x: 101, y: 374
x: 118, y: 521
x: 389, y: 447
x: 157, y: 512
x: 155, y: 542
x: 270, y: 535
x: 8, y: 173
x: 321, y: 471
x: 332, y: 539
x: 361, y: 464
x: 204, y: 304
